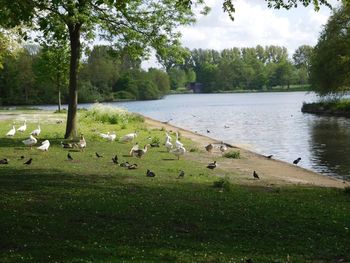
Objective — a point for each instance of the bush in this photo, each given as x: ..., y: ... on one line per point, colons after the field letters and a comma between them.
x: 233, y: 155
x: 347, y: 190
x: 108, y: 114
x: 223, y: 183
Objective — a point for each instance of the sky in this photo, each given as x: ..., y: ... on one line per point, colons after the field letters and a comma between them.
x: 254, y: 24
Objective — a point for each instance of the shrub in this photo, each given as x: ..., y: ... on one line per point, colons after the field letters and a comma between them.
x: 223, y: 183
x: 233, y: 155
x: 108, y: 114
x: 347, y: 190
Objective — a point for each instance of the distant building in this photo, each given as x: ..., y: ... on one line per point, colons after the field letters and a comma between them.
x: 196, y: 87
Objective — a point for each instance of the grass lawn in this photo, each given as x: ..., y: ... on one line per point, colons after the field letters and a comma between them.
x: 91, y: 210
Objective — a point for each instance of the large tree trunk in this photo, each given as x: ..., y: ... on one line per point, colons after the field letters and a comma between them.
x: 74, y: 36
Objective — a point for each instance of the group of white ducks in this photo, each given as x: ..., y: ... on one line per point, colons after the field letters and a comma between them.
x: 178, y: 149
x: 32, y: 140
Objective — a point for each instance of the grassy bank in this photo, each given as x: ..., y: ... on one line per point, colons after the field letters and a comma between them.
x: 91, y: 210
x: 335, y: 108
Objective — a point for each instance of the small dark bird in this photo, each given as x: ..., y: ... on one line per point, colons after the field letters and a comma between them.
x: 97, y: 155
x: 209, y: 147
x: 29, y: 161
x: 256, y: 176
x: 70, y: 158
x: 149, y: 173
x: 115, y: 159
x: 296, y: 161
x: 182, y: 174
x: 132, y: 166
x: 212, y: 165
x: 126, y: 164
x: 208, y: 131
x: 22, y: 157
x: 4, y: 161
x: 67, y: 145
x: 269, y: 156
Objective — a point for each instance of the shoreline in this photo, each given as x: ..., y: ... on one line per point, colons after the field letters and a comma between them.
x: 271, y: 171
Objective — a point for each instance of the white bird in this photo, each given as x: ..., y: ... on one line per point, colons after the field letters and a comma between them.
x: 223, y: 147
x: 23, y: 127
x: 134, y: 148
x: 168, y: 144
x: 129, y: 137
x: 36, y: 132
x: 139, y: 153
x: 44, y: 146
x: 104, y: 135
x: 11, y: 132
x: 108, y: 136
x: 178, y: 144
x: 82, y: 143
x: 167, y: 137
x: 30, y: 141
x: 179, y: 151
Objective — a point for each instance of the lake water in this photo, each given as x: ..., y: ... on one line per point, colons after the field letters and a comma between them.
x: 267, y: 123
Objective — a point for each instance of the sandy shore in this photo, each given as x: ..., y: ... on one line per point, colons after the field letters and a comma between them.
x: 272, y: 172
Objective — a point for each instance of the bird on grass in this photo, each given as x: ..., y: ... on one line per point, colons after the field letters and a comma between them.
x: 209, y: 148
x: 66, y: 145
x: 126, y: 164
x: 82, y: 142
x: 21, y: 158
x: 4, y: 161
x: 178, y: 152
x: 255, y: 175
x: 155, y: 144
x: 28, y: 162
x: 37, y: 131
x: 149, y: 173
x: 296, y: 161
x: 132, y: 166
x: 11, y: 132
x: 30, y: 141
x: 98, y: 155
x: 69, y: 157
x: 23, y: 127
x: 178, y: 144
x: 135, y: 147
x: 212, y: 165
x: 139, y: 153
x: 168, y: 144
x: 181, y: 174
x: 115, y: 159
x: 129, y: 137
x: 44, y: 146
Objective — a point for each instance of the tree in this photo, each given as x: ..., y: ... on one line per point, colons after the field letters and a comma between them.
x: 330, y: 65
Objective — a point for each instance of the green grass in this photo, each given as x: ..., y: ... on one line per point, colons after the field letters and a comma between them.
x: 232, y: 154
x: 91, y: 210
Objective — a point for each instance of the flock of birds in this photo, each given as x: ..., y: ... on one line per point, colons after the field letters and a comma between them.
x: 177, y: 148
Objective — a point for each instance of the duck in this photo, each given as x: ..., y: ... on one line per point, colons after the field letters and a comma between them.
x: 223, y: 147
x: 178, y: 151
x: 4, y: 161
x: 167, y: 137
x: 168, y: 145
x: 23, y: 127
x: 212, y: 165
x: 125, y: 164
x: 44, y: 146
x: 11, y: 132
x: 30, y: 141
x: 82, y: 142
x: 209, y: 147
x: 149, y: 173
x: 296, y: 161
x: 69, y: 157
x: 109, y: 136
x: 115, y: 159
x: 140, y: 152
x: 134, y: 148
x: 28, y: 162
x: 129, y: 137
x: 98, y: 155
x: 132, y: 166
x: 178, y: 144
x: 37, y: 131
x: 181, y: 174
x: 67, y: 145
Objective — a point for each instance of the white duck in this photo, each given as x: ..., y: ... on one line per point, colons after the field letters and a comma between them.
x: 82, y: 143
x: 11, y: 132
x: 23, y: 127
x: 30, y: 141
x: 111, y: 137
x: 178, y: 144
x: 129, y: 137
x: 179, y: 151
x: 167, y: 137
x: 104, y: 135
x: 37, y: 131
x: 168, y: 144
x: 134, y: 148
x: 44, y: 146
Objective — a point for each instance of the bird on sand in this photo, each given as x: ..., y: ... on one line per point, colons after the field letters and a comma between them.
x: 69, y: 157
x: 212, y: 165
x: 4, y: 161
x: 98, y: 155
x: 223, y: 147
x: 11, y: 132
x: 149, y: 173
x: 255, y: 175
x: 209, y: 148
x: 115, y: 159
x: 296, y: 161
x: 181, y: 174
x: 208, y: 131
x: 23, y: 127
x: 269, y: 156
x: 28, y: 162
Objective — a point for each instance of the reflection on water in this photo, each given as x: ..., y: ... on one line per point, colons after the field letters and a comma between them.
x: 268, y: 123
x: 329, y: 145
